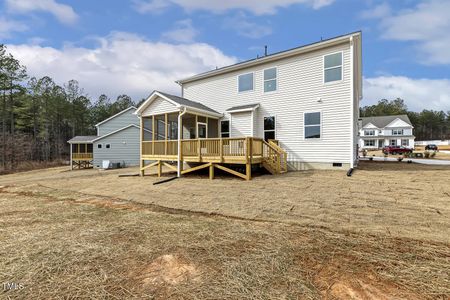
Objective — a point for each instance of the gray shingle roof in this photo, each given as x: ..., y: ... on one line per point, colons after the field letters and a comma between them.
x: 240, y: 107
x: 82, y: 139
x: 187, y: 102
x: 383, y: 121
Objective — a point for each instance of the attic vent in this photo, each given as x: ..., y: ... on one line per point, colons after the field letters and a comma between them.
x: 337, y: 164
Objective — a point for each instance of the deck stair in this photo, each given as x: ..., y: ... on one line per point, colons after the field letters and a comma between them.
x: 274, y: 158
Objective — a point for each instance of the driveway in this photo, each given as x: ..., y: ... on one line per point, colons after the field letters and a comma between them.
x: 414, y: 160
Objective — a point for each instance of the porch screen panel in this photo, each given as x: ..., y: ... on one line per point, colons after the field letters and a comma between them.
x: 160, y: 130
x: 90, y: 148
x: 173, y: 126
x: 148, y: 129
x: 213, y: 128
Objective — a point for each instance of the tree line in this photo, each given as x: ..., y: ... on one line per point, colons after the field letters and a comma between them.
x: 428, y: 124
x: 38, y: 116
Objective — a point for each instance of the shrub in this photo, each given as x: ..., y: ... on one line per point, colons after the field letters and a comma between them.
x: 426, y: 154
x: 433, y: 154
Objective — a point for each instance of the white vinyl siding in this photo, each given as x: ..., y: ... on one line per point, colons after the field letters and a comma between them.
x: 159, y: 106
x: 297, y: 92
x: 241, y: 124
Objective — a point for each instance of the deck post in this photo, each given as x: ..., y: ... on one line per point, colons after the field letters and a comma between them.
x: 165, y: 133
x: 199, y: 149
x: 211, y: 171
x: 159, y: 168
x: 153, y: 135
x: 248, y: 171
x: 221, y: 150
x: 71, y: 157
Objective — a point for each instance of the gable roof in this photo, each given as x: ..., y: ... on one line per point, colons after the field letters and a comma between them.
x: 82, y: 139
x: 116, y: 115
x: 178, y: 102
x: 115, y: 131
x: 275, y: 56
x: 383, y: 121
x: 241, y: 108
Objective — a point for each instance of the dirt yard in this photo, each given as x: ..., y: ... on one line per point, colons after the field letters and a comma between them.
x: 383, y: 233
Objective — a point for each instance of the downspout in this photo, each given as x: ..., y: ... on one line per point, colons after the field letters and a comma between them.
x: 180, y: 115
x: 352, y: 120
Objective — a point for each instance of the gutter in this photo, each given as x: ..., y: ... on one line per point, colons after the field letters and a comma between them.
x: 180, y: 115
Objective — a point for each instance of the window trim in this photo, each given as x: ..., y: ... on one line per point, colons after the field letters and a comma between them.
x: 397, y: 130
x: 229, y: 128
x: 274, y: 129
x: 237, y: 81
x: 276, y: 80
x: 369, y: 130
x: 370, y: 140
x: 304, y: 126
x: 342, y: 68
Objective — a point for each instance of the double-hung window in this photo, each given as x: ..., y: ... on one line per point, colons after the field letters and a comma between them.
x: 269, y: 128
x: 369, y: 143
x: 245, y: 82
x: 270, y: 80
x: 225, y: 129
x: 332, y: 67
x: 369, y: 132
x: 312, y: 124
x: 397, y: 132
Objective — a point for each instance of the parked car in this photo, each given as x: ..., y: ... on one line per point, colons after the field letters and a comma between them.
x: 431, y: 147
x: 396, y: 150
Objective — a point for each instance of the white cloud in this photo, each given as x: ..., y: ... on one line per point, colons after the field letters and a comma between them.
x: 246, y: 28
x: 183, y: 32
x: 122, y: 63
x: 257, y: 7
x: 7, y: 27
x: 380, y: 11
x: 64, y: 13
x: 427, y: 24
x: 418, y: 94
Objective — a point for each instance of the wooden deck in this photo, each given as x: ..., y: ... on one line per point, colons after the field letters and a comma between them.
x: 214, y: 152
x: 82, y: 160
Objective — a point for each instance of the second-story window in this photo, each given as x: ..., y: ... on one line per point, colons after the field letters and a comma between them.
x: 225, y: 129
x: 270, y: 80
x: 245, y: 82
x: 397, y: 132
x: 369, y: 132
x: 332, y: 67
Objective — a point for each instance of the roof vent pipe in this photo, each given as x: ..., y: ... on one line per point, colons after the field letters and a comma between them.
x: 265, y: 50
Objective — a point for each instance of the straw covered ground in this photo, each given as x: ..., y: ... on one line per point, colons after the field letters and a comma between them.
x: 382, y: 233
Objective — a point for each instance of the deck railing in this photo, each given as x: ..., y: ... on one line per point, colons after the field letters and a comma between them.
x: 244, y: 149
x: 82, y: 156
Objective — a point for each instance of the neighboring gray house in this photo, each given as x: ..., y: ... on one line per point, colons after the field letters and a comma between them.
x: 117, y: 141
x: 377, y: 132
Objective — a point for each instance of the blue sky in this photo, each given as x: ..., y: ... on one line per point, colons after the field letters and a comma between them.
x: 135, y: 46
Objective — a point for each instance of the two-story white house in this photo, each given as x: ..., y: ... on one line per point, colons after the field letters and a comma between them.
x: 301, y: 104
x: 377, y: 132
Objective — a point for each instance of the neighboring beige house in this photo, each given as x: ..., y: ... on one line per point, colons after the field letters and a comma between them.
x: 306, y: 99
x: 377, y: 132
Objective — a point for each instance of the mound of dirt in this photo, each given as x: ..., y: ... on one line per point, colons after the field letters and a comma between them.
x: 168, y: 269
